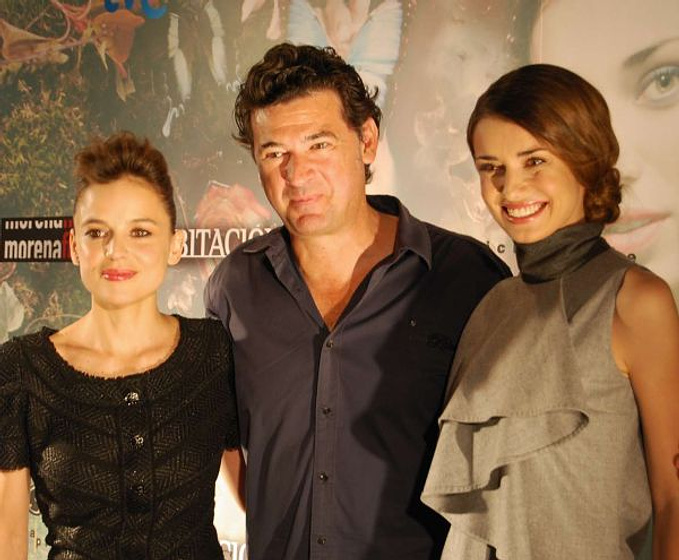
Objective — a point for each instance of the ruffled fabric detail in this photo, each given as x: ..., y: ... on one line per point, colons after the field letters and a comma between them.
x: 510, y: 403
x: 517, y: 396
x: 482, y: 449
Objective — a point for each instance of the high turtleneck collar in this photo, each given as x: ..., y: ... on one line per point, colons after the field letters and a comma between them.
x: 564, y: 251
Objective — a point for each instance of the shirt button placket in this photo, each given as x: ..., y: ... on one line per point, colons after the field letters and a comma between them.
x: 324, y: 449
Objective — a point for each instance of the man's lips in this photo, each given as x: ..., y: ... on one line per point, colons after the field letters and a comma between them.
x: 635, y: 230
x: 304, y: 200
x: 117, y: 274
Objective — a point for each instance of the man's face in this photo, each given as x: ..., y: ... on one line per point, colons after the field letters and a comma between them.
x: 311, y: 163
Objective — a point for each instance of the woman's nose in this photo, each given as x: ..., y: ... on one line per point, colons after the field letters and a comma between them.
x: 508, y: 181
x: 113, y: 246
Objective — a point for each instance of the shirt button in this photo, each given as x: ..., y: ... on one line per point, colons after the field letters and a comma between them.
x: 329, y: 343
x: 321, y: 540
x: 131, y: 398
x: 324, y: 477
x: 326, y: 410
x: 138, y: 441
x: 413, y: 322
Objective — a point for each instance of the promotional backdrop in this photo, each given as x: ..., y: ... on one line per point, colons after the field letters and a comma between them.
x: 170, y: 71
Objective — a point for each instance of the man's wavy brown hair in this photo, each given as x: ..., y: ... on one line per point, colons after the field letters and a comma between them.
x: 291, y: 71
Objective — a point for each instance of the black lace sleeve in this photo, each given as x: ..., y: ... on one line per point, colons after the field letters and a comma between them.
x: 13, y: 434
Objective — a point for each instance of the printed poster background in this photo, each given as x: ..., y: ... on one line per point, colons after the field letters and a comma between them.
x: 169, y: 70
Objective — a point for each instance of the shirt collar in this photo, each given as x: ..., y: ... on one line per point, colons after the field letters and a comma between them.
x: 411, y: 235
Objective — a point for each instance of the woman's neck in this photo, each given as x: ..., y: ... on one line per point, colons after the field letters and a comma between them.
x: 116, y: 343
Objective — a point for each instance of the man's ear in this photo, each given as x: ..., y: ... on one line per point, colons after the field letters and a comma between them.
x: 72, y: 247
x: 369, y: 138
x: 176, y: 246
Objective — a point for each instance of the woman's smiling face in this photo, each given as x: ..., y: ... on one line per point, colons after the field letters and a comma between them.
x: 529, y: 190
x: 629, y: 50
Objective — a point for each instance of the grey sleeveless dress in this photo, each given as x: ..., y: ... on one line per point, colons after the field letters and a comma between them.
x: 540, y: 453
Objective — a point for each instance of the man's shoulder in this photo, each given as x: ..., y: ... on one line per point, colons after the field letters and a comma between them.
x: 457, y: 249
x: 247, y: 253
x: 256, y: 245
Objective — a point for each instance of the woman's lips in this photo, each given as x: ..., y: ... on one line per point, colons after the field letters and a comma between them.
x: 522, y: 212
x: 635, y: 230
x: 117, y: 275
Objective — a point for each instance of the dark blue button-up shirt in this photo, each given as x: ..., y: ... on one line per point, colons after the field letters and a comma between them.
x: 339, y: 426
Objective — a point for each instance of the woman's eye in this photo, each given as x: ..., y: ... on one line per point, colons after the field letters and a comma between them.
x: 533, y: 161
x: 659, y: 87
x: 138, y: 232
x: 94, y: 233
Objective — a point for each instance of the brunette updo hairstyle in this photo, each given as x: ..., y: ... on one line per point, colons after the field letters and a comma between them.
x: 123, y: 154
x: 290, y: 71
x: 566, y: 112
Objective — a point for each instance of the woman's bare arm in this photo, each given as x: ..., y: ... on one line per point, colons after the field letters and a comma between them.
x: 646, y: 346
x: 14, y: 502
x: 233, y: 472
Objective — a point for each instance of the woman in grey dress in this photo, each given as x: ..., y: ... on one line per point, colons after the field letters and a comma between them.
x: 560, y: 433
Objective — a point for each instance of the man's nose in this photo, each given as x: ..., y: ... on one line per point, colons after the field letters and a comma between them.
x: 296, y: 169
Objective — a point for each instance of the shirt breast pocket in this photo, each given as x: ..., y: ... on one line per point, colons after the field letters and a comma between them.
x: 431, y: 350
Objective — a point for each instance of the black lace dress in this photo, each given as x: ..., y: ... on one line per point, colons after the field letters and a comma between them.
x: 124, y: 468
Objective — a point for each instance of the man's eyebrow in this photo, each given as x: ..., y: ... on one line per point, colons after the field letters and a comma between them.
x: 270, y: 144
x: 310, y: 138
x: 320, y: 134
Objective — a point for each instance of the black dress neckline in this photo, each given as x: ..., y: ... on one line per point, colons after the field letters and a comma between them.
x: 166, y: 364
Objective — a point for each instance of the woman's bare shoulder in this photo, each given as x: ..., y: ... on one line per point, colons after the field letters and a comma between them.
x: 644, y: 296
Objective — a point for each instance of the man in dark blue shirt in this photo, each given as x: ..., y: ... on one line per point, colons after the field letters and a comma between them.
x: 344, y: 323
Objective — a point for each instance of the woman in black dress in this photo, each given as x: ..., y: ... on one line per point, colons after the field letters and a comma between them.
x: 124, y: 417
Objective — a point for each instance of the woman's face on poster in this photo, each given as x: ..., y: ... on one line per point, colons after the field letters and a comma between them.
x: 629, y: 50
